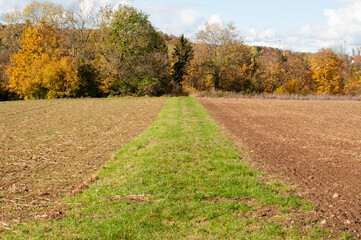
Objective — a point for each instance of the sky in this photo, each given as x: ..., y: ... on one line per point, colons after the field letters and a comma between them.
x: 298, y: 25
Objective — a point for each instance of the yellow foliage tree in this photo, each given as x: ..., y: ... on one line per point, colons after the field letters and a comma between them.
x: 43, y: 12
x: 197, y: 78
x: 327, y: 72
x: 38, y: 69
x: 353, y: 85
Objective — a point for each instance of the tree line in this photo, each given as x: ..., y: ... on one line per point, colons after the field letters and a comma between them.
x: 222, y: 62
x: 47, y: 51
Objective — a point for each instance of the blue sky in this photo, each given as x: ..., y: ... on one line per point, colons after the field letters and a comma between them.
x: 302, y: 25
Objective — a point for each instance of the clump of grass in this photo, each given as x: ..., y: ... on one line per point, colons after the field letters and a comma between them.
x: 181, y: 179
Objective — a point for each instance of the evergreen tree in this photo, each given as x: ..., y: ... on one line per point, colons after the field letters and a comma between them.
x: 182, y: 55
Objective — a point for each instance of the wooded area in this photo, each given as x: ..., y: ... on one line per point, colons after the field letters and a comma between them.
x: 47, y: 51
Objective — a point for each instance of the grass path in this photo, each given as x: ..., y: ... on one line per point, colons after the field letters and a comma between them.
x: 181, y: 179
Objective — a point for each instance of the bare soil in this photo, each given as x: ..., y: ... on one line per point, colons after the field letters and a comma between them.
x: 315, y: 145
x: 50, y: 149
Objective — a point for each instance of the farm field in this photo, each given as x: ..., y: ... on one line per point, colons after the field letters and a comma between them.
x: 180, y: 179
x: 50, y: 149
x: 316, y: 145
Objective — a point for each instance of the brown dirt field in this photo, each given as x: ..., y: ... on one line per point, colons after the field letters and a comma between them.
x: 50, y: 149
x: 316, y: 145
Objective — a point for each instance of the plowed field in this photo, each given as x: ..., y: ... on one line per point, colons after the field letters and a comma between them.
x: 50, y: 149
x: 316, y: 145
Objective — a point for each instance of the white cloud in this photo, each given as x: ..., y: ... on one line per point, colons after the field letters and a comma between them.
x: 191, y: 18
x: 251, y: 35
x: 6, y: 6
x: 174, y: 19
x: 342, y: 24
x: 115, y: 3
x: 293, y: 40
x: 268, y: 34
x: 306, y: 31
x: 267, y: 37
x: 158, y: 9
x: 215, y: 19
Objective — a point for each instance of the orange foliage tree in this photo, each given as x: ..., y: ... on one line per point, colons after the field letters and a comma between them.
x: 327, y: 72
x: 39, y: 69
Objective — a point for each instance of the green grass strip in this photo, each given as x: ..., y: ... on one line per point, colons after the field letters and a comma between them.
x: 165, y: 183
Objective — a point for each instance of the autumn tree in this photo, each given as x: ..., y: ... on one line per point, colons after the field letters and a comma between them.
x: 297, y: 75
x: 81, y: 39
x: 237, y: 68
x: 81, y: 19
x: 198, y: 77
x: 9, y: 44
x: 10, y: 35
x: 222, y: 58
x: 353, y: 80
x: 4, y: 94
x: 270, y: 71
x: 327, y: 72
x: 12, y: 31
x: 135, y: 57
x: 38, y: 69
x: 353, y: 83
x: 44, y: 12
x: 215, y: 37
x: 69, y: 45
